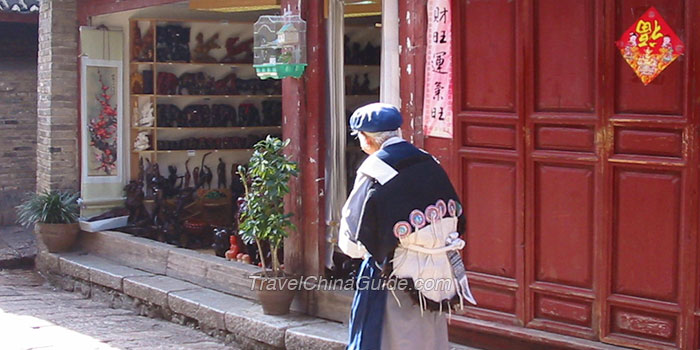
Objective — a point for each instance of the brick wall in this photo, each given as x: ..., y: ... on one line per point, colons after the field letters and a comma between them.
x: 57, y: 110
x: 18, y: 96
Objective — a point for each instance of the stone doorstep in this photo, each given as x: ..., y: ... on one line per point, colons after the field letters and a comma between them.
x: 215, y: 310
x: 212, y: 309
x: 164, y: 259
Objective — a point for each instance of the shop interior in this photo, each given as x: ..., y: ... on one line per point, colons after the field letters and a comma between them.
x: 195, y: 107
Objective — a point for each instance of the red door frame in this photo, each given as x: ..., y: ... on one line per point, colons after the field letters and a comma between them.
x: 304, y: 111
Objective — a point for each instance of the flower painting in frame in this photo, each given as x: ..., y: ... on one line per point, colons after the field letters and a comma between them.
x: 101, y: 112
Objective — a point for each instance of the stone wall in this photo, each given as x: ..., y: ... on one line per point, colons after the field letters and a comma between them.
x: 57, y: 140
x: 18, y: 96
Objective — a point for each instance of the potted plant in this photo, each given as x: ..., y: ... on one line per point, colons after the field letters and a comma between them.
x: 55, y: 215
x: 264, y: 221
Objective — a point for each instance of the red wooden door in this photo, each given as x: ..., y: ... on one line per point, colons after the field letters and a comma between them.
x: 579, y: 183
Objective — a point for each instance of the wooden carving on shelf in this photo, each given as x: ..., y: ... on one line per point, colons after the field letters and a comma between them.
x: 188, y: 176
x: 134, y: 203
x: 136, y: 83
x: 221, y: 174
x: 205, y: 174
x: 238, y: 52
x: 141, y: 46
x: 147, y: 50
x: 201, y: 50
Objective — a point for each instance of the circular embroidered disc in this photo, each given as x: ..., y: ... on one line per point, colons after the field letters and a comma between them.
x: 432, y: 213
x: 417, y: 219
x: 459, y: 209
x: 452, y: 207
x: 401, y: 229
x: 442, y: 207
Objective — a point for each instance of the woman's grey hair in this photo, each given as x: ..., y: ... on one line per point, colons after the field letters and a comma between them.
x: 381, y: 136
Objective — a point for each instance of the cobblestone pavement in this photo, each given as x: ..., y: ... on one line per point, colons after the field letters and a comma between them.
x: 17, y: 246
x: 33, y: 315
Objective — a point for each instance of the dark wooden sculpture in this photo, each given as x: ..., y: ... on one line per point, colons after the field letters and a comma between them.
x: 222, y: 236
x: 195, y: 176
x: 205, y: 173
x: 141, y: 173
x: 221, y: 174
x: 206, y: 176
x: 138, y: 215
x: 147, y: 175
x: 187, y: 173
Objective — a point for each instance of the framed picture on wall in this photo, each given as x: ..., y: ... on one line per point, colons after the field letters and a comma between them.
x: 101, y: 121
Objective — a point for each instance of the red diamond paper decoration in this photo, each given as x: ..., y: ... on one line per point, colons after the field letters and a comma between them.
x: 650, y: 45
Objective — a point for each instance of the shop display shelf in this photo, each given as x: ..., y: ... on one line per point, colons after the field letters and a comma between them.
x: 203, y: 64
x: 241, y: 150
x: 215, y: 96
x: 374, y: 66
x: 219, y: 128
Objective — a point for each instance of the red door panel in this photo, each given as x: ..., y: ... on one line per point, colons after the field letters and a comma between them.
x: 564, y: 219
x: 492, y: 136
x: 568, y: 311
x: 492, y: 186
x: 645, y: 236
x: 564, y: 55
x: 659, y: 142
x: 657, y: 329
x: 565, y: 138
x: 496, y: 298
x: 489, y: 53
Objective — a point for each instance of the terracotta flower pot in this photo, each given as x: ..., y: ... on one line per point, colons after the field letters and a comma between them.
x: 57, y: 237
x: 274, y: 293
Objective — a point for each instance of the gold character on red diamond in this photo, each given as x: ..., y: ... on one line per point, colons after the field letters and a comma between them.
x: 644, y: 29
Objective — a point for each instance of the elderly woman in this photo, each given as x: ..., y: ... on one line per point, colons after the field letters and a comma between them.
x: 404, y: 219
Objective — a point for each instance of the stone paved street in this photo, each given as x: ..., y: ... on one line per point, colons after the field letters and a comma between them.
x: 17, y: 246
x: 33, y: 315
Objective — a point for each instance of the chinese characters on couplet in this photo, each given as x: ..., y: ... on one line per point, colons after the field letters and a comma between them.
x: 437, y: 103
x: 650, y: 45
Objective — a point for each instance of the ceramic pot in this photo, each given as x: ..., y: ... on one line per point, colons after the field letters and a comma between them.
x: 274, y: 293
x: 57, y: 237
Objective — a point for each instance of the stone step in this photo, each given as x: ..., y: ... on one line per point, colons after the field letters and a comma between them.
x: 160, y: 258
x: 212, y: 310
x: 204, y: 270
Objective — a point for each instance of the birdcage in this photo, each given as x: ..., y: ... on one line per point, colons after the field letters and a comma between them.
x: 279, y: 46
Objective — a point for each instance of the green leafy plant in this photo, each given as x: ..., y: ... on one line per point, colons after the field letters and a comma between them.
x: 266, y: 182
x: 53, y: 207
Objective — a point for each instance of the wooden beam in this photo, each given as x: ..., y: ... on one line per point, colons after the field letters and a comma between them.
x: 19, y: 17
x: 89, y: 8
x: 363, y: 9
x: 234, y: 5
